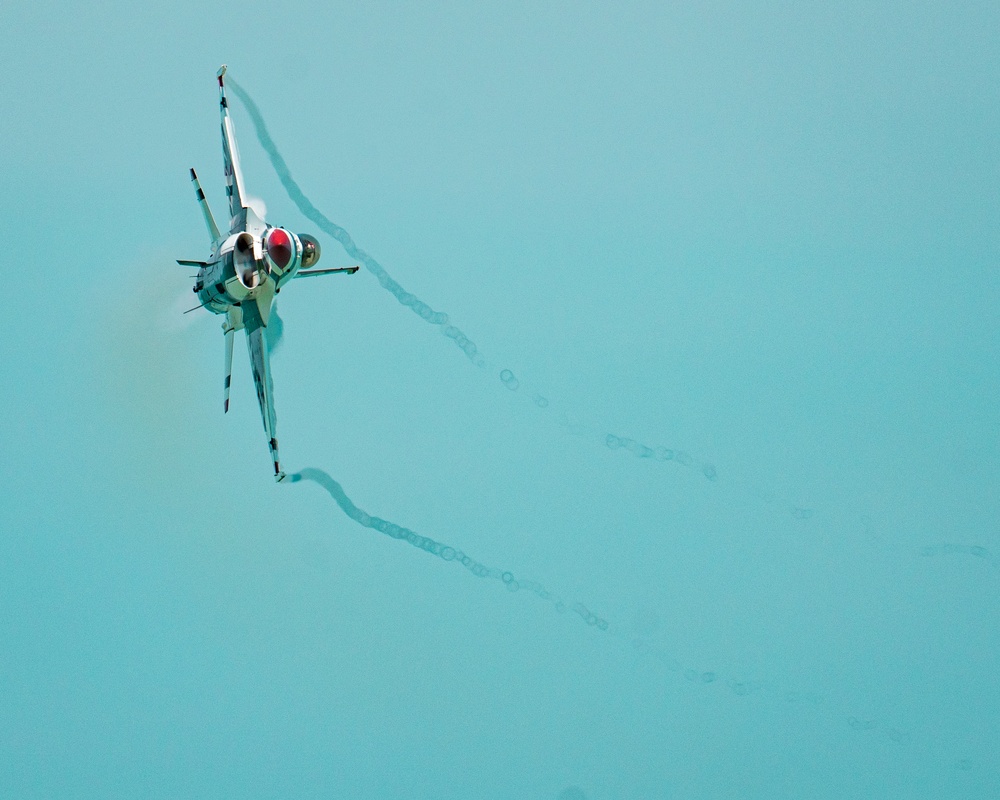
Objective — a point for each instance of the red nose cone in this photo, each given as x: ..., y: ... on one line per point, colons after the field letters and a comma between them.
x: 279, y: 247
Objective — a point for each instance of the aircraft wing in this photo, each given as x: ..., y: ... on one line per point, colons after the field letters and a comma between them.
x: 260, y: 365
x: 231, y: 161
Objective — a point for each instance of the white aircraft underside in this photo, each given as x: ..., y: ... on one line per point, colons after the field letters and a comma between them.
x: 246, y: 269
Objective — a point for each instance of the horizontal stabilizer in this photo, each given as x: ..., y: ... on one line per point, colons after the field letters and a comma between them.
x: 313, y: 273
x: 184, y: 263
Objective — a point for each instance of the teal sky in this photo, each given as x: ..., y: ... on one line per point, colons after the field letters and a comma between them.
x: 763, y: 234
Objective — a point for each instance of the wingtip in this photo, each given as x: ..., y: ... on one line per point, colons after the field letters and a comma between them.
x: 280, y: 477
x: 221, y: 72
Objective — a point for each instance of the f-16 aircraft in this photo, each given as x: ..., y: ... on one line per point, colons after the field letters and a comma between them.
x: 247, y: 267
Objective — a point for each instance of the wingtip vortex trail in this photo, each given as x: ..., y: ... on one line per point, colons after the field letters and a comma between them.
x: 443, y: 551
x: 328, y: 226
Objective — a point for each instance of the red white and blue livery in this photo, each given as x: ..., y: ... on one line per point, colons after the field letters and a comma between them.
x: 248, y: 266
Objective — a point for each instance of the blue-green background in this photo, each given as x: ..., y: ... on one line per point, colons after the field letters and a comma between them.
x: 761, y: 232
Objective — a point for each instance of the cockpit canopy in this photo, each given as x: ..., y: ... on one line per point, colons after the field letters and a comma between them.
x: 310, y: 250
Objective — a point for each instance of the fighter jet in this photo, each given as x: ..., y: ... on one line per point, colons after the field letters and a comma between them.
x: 247, y: 267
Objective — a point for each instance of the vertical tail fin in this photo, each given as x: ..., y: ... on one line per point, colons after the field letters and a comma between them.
x: 229, y: 369
x: 213, y: 229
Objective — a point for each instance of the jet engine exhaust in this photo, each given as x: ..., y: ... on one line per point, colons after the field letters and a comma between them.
x: 244, y: 261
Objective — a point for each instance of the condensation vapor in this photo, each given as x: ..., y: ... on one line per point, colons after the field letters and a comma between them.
x: 697, y: 675
x: 417, y: 306
x: 442, y: 551
x: 638, y: 641
x: 676, y: 457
